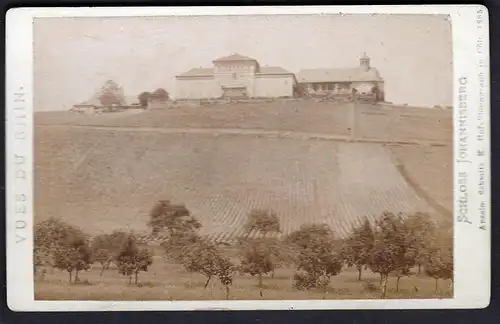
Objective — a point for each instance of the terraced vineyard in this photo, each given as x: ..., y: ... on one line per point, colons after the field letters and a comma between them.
x: 103, y: 180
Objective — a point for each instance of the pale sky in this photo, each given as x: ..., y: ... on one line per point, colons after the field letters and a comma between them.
x: 74, y: 56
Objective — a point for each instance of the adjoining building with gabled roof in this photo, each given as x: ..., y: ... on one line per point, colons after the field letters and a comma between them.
x: 235, y: 76
x: 361, y: 80
x: 88, y: 106
x: 94, y: 105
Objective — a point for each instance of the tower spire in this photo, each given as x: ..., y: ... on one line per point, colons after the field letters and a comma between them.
x: 364, y: 61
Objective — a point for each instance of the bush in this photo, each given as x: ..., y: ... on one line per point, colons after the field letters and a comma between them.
x: 370, y: 287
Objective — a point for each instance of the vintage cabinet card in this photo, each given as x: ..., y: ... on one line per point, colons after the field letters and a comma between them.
x: 248, y: 158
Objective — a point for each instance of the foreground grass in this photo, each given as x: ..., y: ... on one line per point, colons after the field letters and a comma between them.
x: 170, y: 282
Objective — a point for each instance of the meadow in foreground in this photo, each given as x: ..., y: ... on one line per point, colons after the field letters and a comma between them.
x: 166, y: 281
x: 400, y: 256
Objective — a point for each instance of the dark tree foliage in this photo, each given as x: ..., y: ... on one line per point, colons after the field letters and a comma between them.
x: 111, y: 94
x: 160, y: 94
x: 131, y: 260
x: 225, y: 273
x: 357, y: 248
x: 395, y: 248
x: 144, y: 98
x: 172, y: 218
x: 257, y: 259
x: 62, y: 246
x: 263, y: 221
x: 203, y: 256
x: 439, y: 259
x: 74, y: 256
x: 106, y: 247
x: 425, y: 232
x: 317, y: 260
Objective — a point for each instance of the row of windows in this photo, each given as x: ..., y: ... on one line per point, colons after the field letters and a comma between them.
x: 232, y: 67
x: 327, y: 86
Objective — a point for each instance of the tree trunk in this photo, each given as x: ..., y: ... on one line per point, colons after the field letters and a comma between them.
x: 102, y: 269
x: 70, y: 276
x: 227, y: 292
x: 129, y: 279
x: 419, y: 268
x: 397, y: 283
x: 272, y: 274
x: 325, y: 289
x: 360, y: 269
x: 381, y: 279
x: 76, y: 276
x: 206, y: 283
x: 436, y: 288
x: 136, y: 275
x: 384, y: 286
x: 260, y: 285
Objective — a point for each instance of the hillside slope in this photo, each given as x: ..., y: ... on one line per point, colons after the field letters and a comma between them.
x: 103, y: 180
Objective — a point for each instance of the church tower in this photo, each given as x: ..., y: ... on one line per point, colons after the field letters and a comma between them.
x: 364, y: 62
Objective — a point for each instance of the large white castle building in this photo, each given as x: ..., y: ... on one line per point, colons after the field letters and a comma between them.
x: 238, y: 76
x: 235, y: 76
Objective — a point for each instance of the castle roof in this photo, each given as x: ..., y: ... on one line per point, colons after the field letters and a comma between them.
x: 272, y: 70
x: 358, y: 74
x: 234, y: 57
x: 207, y: 72
x: 198, y: 72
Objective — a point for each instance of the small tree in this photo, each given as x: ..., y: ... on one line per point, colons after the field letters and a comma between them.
x: 263, y: 221
x: 202, y: 256
x: 424, y: 231
x: 317, y: 260
x: 105, y: 248
x: 73, y: 255
x: 256, y: 259
x: 439, y: 260
x: 404, y: 271
x: 172, y: 218
x: 225, y: 272
x: 356, y: 249
x: 144, y: 98
x: 160, y: 94
x: 58, y: 244
x: 111, y: 94
x: 131, y: 260
x: 394, y: 249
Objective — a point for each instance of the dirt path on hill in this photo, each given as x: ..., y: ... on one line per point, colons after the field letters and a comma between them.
x: 251, y: 132
x: 431, y: 201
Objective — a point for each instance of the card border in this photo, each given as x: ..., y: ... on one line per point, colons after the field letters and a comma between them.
x: 475, y: 244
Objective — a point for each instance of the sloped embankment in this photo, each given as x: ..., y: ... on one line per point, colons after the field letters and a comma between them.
x: 102, y: 180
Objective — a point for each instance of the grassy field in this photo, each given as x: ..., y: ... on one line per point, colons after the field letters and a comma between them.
x: 369, y: 121
x: 170, y: 282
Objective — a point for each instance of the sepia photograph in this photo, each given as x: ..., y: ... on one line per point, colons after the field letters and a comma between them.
x: 243, y: 157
